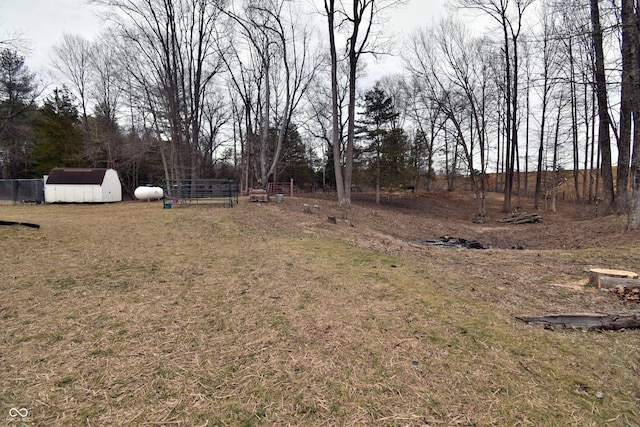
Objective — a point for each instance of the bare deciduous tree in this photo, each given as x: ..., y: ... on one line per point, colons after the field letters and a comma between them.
x: 604, y: 138
x: 73, y: 59
x: 282, y: 64
x: 549, y: 73
x: 358, y: 23
x: 175, y: 44
x: 633, y: 221
x: 509, y: 15
x: 451, y: 67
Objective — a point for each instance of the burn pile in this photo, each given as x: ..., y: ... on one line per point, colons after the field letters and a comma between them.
x: 454, y: 242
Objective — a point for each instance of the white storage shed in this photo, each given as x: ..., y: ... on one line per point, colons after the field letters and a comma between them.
x: 77, y: 185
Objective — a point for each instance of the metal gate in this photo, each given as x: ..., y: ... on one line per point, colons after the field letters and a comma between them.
x: 201, y: 191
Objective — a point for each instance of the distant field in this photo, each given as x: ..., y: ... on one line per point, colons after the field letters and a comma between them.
x: 260, y: 315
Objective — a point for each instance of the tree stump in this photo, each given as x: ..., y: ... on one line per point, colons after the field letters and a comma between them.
x: 607, y: 278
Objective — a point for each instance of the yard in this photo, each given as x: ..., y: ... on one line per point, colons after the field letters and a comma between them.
x: 261, y: 315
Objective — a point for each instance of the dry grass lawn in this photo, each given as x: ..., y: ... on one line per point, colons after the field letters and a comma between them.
x: 261, y: 315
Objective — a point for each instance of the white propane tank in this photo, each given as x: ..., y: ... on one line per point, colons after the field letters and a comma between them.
x: 148, y: 193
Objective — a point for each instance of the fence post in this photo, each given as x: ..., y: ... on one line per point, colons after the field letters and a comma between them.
x: 291, y: 187
x: 16, y: 190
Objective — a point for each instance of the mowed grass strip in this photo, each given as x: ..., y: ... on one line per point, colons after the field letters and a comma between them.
x: 129, y: 314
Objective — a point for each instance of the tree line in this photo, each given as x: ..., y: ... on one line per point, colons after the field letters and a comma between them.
x: 267, y: 90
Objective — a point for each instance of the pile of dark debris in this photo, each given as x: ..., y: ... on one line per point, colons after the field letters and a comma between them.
x: 454, y: 242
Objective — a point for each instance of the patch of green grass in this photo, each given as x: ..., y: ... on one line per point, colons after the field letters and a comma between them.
x: 65, y: 382
x: 100, y: 352
x: 65, y: 282
x: 304, y: 299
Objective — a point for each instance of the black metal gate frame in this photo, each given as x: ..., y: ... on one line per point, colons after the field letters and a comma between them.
x: 200, y: 190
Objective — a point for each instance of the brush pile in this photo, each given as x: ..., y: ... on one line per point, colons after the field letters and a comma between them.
x: 521, y: 218
x: 631, y: 294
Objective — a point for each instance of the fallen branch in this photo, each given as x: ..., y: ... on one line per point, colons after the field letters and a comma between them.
x: 24, y: 224
x: 593, y: 321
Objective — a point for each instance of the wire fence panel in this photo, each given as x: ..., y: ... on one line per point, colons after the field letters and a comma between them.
x: 22, y: 190
x: 199, y: 190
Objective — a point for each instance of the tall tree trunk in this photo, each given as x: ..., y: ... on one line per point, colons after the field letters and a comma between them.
x: 543, y: 119
x: 554, y: 167
x: 335, y: 115
x: 264, y: 138
x: 574, y: 121
x: 356, y: 45
x: 514, y: 126
x: 526, y: 146
x: 498, y: 150
x: 604, y: 138
x: 626, y: 94
x: 539, y: 170
x: 508, y: 140
x: 594, y: 161
x: 587, y: 142
x: 633, y: 221
x: 378, y: 172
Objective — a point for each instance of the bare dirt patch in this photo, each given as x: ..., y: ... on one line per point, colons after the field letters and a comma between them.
x: 415, y: 217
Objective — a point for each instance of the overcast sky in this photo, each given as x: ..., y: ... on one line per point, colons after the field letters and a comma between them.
x: 42, y: 22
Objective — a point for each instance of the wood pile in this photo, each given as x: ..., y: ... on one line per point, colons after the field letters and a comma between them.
x: 631, y: 294
x: 521, y: 218
x: 258, y: 195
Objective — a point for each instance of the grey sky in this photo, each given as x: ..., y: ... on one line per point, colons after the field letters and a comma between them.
x: 43, y: 22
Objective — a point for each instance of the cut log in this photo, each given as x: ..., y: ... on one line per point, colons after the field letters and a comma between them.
x: 606, y: 278
x: 607, y: 282
x: 595, y: 321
